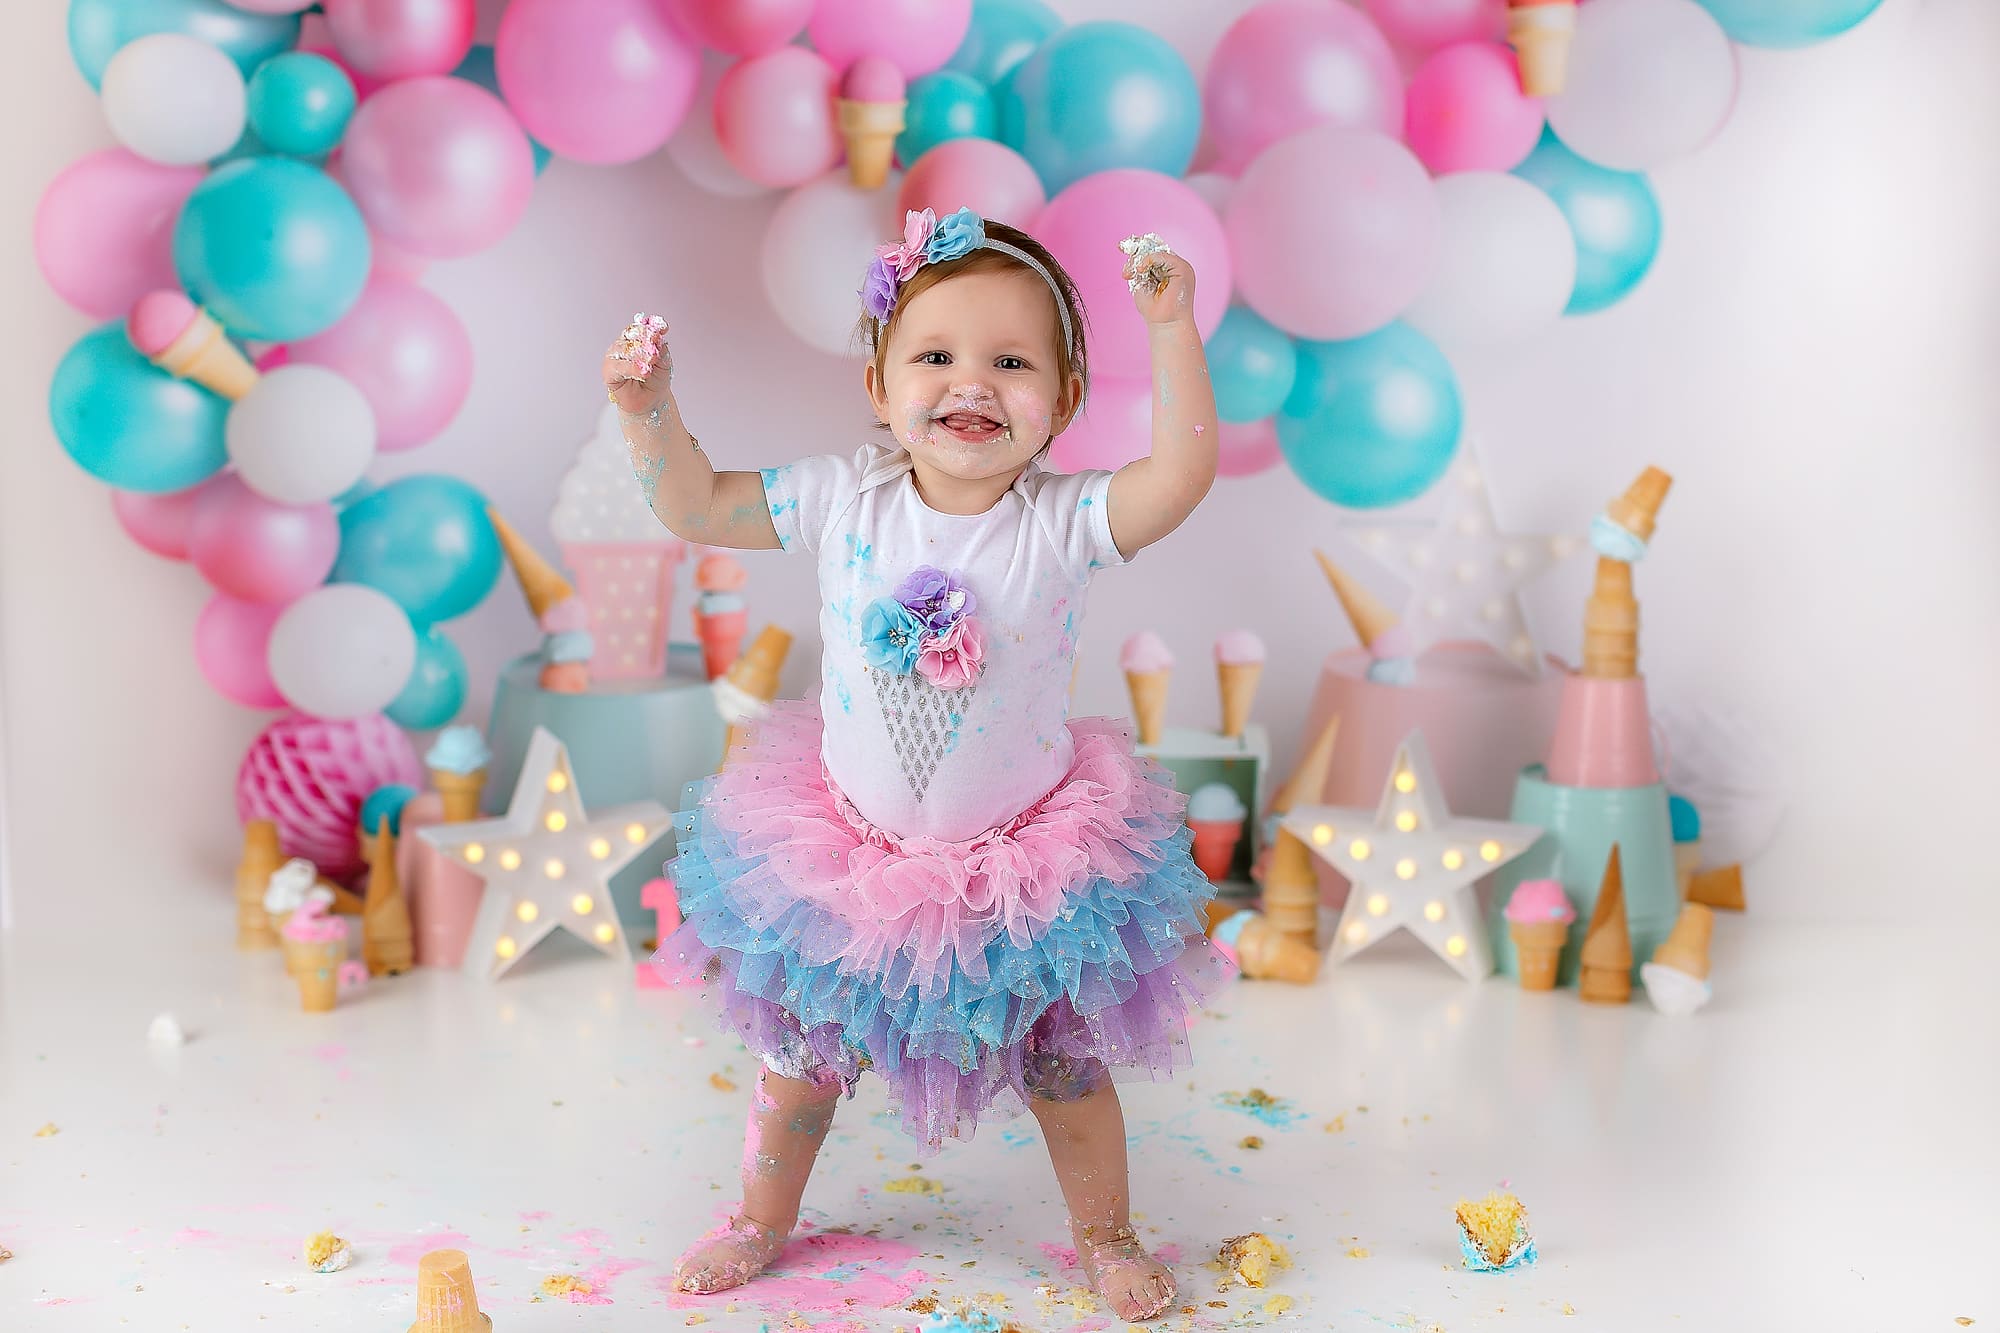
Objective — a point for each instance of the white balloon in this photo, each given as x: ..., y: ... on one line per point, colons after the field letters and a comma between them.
x: 174, y: 99
x: 1649, y: 81
x: 342, y: 651
x: 816, y: 253
x: 694, y: 147
x: 1506, y: 262
x: 301, y: 435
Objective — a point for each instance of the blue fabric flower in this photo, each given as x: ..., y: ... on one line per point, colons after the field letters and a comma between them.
x: 891, y: 635
x: 878, y: 289
x: 938, y: 599
x: 956, y: 236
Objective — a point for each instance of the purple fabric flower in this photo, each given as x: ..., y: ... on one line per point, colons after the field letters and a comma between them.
x: 938, y: 599
x: 878, y: 289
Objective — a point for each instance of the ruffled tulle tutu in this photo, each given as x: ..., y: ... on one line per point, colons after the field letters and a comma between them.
x: 958, y: 971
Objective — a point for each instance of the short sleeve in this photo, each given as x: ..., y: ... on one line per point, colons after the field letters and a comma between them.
x: 805, y: 497
x: 1074, y: 510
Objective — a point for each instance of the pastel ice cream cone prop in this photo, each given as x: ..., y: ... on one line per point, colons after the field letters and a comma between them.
x: 1611, y: 624
x: 1540, y: 31
x: 1365, y: 611
x: 457, y: 763
x: 1686, y: 946
x: 1239, y: 667
x: 1149, y: 670
x: 1307, y: 784
x: 540, y: 582
x: 446, y: 1299
x: 461, y: 792
x: 1291, y: 890
x: 1721, y: 887
x: 1638, y: 509
x: 721, y: 638
x: 315, y: 947
x: 744, y: 693
x: 871, y: 113
x: 182, y: 339
x: 1216, y: 815
x: 388, y: 943
x: 1538, y: 918
x: 1262, y: 951
x: 1606, y: 973
x: 261, y: 856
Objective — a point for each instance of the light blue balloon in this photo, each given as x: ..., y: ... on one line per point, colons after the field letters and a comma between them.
x: 1612, y: 214
x: 300, y: 103
x: 436, y: 688
x: 945, y: 106
x: 97, y: 28
x: 354, y: 494
x: 127, y: 422
x: 1371, y: 421
x: 1099, y: 96
x: 387, y: 802
x: 1787, y: 22
x: 273, y: 248
x: 1251, y: 365
x: 478, y: 67
x: 1003, y: 33
x: 423, y: 540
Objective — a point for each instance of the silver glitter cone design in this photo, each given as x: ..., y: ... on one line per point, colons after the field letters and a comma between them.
x: 923, y: 722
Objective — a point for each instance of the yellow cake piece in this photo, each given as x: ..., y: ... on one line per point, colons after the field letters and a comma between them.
x: 1495, y: 1223
x: 1252, y: 1257
x: 326, y: 1253
x: 564, y: 1284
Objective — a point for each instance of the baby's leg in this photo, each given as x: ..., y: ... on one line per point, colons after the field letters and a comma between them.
x: 1085, y: 1128
x: 788, y: 1121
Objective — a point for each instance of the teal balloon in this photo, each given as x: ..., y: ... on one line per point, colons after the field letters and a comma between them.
x: 1612, y: 214
x: 1371, y: 421
x: 127, y: 422
x: 300, y: 103
x: 478, y: 68
x: 354, y: 494
x: 386, y: 802
x: 436, y: 689
x: 273, y: 248
x: 247, y: 146
x: 1099, y: 96
x: 1251, y: 366
x: 945, y: 106
x: 97, y: 28
x: 1686, y: 820
x: 423, y: 540
x: 1002, y: 34
x: 1787, y: 22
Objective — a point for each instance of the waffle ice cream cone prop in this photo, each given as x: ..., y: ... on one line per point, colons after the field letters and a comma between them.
x: 1263, y: 952
x: 388, y: 943
x: 1539, y: 947
x: 1540, y: 31
x: 1149, y: 702
x: 1687, y: 860
x: 315, y: 947
x: 1611, y: 624
x: 461, y: 792
x: 1365, y: 611
x: 749, y: 686
x: 871, y: 113
x: 1638, y: 509
x: 540, y: 582
x: 182, y: 339
x: 1606, y: 973
x: 1307, y: 783
x: 261, y: 856
x: 1239, y: 666
x: 446, y: 1299
x: 1721, y: 887
x: 1291, y: 890
x: 1686, y: 947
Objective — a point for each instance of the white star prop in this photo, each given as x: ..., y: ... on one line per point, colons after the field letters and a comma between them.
x: 1411, y: 864
x: 546, y: 863
x: 1464, y: 574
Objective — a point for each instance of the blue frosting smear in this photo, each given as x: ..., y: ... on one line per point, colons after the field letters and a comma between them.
x: 1616, y: 542
x: 459, y: 750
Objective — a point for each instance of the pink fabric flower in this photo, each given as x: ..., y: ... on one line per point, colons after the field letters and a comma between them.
x: 951, y: 660
x: 905, y: 259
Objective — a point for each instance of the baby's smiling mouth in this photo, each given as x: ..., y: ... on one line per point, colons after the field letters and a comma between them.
x: 970, y: 425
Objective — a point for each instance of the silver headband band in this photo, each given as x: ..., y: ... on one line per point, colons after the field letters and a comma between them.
x: 1055, y: 289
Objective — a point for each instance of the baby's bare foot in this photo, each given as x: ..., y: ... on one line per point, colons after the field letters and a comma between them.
x: 1131, y: 1281
x: 728, y: 1256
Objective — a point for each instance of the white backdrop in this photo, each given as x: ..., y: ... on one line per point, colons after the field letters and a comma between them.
x: 1812, y: 357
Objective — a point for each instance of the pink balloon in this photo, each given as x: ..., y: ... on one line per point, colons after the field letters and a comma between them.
x: 438, y: 165
x: 1467, y: 111
x: 158, y: 522
x: 401, y: 39
x: 1115, y: 428
x: 365, y: 85
x: 774, y: 117
x: 104, y: 230
x: 388, y: 259
x: 916, y: 36
x: 596, y: 80
x: 742, y: 27
x: 1289, y: 65
x: 1334, y: 232
x: 1422, y: 25
x: 1245, y: 448
x: 989, y: 178
x: 271, y: 6
x: 406, y: 351
x: 1082, y: 227
x: 257, y: 550
x: 230, y: 643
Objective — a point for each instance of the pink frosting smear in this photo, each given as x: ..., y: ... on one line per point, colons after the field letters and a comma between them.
x: 1395, y: 641
x: 1145, y: 651
x: 1238, y: 647
x: 720, y: 573
x: 311, y: 925
x: 874, y: 79
x: 1538, y: 900
x: 566, y: 616
x: 157, y: 319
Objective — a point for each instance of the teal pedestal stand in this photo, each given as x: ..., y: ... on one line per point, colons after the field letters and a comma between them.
x: 1582, y: 824
x: 628, y: 740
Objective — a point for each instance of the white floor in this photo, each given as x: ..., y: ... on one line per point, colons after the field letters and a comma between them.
x: 1816, y: 1150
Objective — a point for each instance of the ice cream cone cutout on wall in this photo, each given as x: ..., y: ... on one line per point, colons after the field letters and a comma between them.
x: 1540, y: 31
x: 541, y: 584
x: 1291, y: 882
x: 446, y: 1299
x: 387, y: 942
x: 1606, y: 974
x: 261, y: 856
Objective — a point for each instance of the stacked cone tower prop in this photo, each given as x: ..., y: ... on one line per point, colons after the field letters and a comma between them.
x: 1365, y: 611
x: 388, y: 944
x: 1606, y: 977
x: 1291, y: 884
x: 261, y: 856
x: 1265, y: 953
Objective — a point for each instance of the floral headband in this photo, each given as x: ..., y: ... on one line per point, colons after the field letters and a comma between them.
x: 930, y: 240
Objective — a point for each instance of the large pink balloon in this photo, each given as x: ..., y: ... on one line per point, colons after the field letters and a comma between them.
x: 596, y: 80
x: 438, y: 165
x: 1082, y: 227
x: 400, y: 39
x: 1423, y: 25
x: 1333, y: 232
x: 257, y: 550
x: 989, y: 178
x: 1289, y: 65
x: 104, y: 230
x: 742, y: 27
x: 774, y: 117
x: 272, y: 6
x: 1115, y: 428
x: 158, y: 522
x: 406, y: 351
x: 231, y: 642
x: 1245, y: 448
x: 916, y: 36
x: 1467, y: 111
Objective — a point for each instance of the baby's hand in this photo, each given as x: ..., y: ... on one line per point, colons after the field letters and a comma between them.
x: 638, y: 368
x: 1162, y: 282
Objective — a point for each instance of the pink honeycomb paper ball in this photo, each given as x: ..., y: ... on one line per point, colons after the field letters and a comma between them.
x: 309, y: 777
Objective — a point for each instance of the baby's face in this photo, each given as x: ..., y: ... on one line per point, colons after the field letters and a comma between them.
x: 969, y: 383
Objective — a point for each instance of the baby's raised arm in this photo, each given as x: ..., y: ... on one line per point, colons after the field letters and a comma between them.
x: 696, y: 502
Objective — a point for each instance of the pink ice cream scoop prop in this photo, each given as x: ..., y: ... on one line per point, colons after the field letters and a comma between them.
x: 871, y: 112
x: 182, y: 339
x: 1539, y: 916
